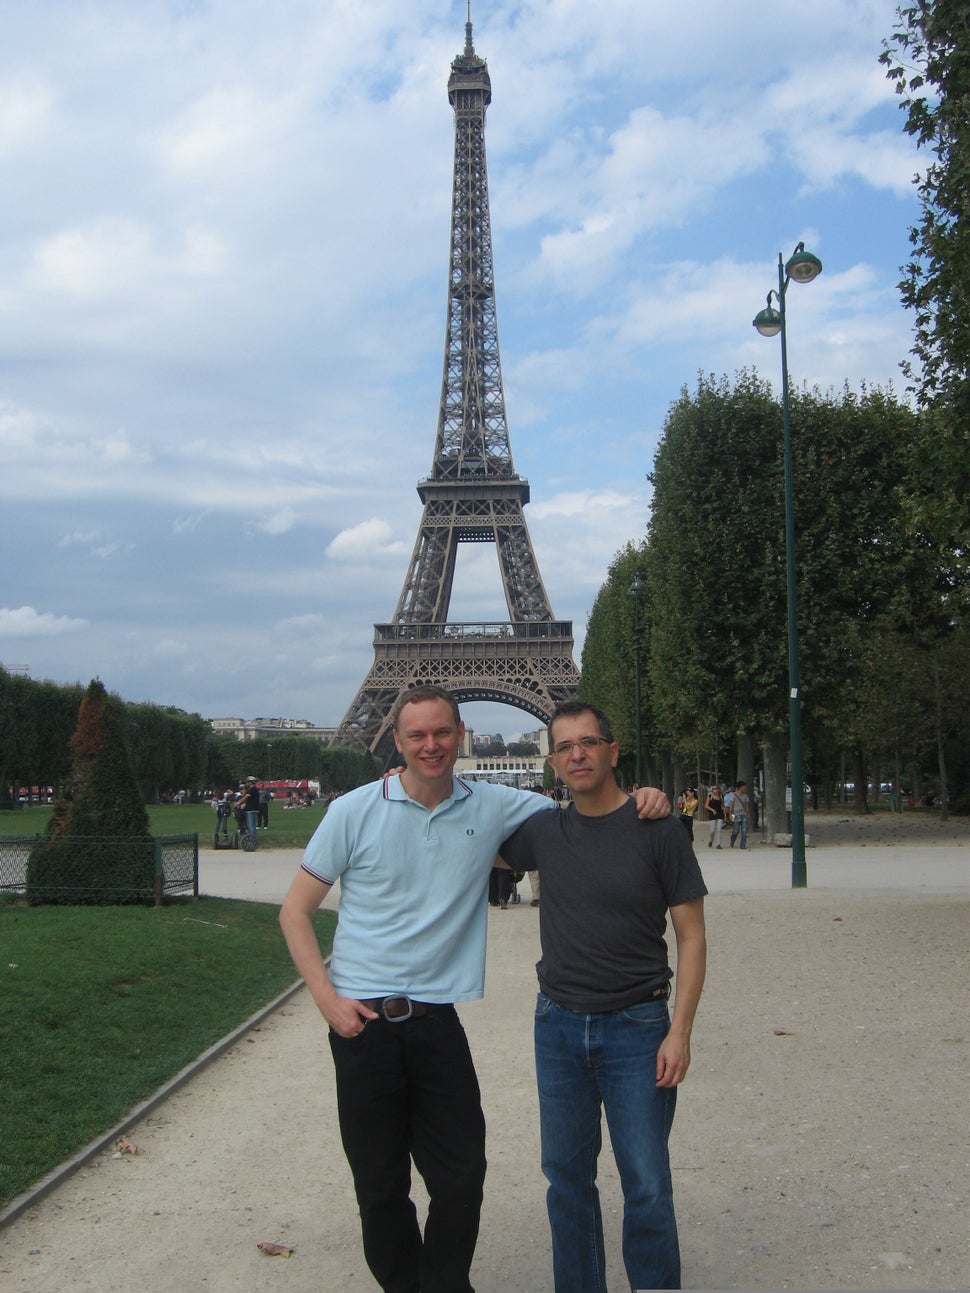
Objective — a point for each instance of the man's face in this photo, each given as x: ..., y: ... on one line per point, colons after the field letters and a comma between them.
x: 428, y: 738
x: 584, y: 770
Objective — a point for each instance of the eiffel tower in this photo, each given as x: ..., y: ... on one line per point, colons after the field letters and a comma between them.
x: 472, y: 495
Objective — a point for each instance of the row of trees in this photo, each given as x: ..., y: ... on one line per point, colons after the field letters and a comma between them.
x: 169, y: 749
x: 881, y: 492
x: 883, y: 629
x: 290, y: 758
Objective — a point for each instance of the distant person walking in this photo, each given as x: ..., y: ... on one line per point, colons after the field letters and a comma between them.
x: 714, y: 807
x: 737, y: 804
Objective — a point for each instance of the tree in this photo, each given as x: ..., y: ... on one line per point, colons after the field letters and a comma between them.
x: 100, y: 804
x: 928, y: 61
x: 608, y: 663
x: 716, y: 559
x: 101, y: 798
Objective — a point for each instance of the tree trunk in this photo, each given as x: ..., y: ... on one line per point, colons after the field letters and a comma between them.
x: 669, y: 783
x: 940, y: 746
x: 774, y: 754
x: 746, y: 760
x: 861, y: 785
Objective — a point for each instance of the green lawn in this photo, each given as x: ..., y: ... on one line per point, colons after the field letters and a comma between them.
x: 101, y: 1005
x: 288, y: 828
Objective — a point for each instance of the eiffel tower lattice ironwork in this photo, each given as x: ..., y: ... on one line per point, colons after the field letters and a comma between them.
x: 473, y: 494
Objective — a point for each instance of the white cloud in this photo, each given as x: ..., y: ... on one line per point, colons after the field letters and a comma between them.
x: 364, y: 542
x: 26, y: 622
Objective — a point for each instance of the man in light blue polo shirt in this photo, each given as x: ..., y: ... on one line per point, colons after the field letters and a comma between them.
x: 413, y: 855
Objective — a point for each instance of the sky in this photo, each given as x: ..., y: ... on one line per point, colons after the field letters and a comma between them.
x: 224, y: 249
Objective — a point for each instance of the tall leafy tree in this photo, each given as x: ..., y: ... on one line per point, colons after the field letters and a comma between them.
x: 608, y: 662
x: 928, y: 60
x: 716, y: 561
x: 717, y: 557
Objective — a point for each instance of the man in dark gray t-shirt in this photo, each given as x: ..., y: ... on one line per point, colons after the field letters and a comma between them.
x: 604, y: 1039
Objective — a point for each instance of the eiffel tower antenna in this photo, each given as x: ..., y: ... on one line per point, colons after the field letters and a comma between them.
x: 472, y: 495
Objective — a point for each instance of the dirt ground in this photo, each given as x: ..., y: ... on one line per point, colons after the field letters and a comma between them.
x: 820, y: 1139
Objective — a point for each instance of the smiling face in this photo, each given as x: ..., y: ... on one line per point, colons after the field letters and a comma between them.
x: 587, y: 769
x: 429, y: 739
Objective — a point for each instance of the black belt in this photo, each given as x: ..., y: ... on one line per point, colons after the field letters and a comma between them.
x: 398, y: 1009
x: 658, y: 994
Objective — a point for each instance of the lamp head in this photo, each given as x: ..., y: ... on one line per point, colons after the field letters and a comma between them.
x: 803, y: 266
x: 638, y: 587
x: 768, y: 320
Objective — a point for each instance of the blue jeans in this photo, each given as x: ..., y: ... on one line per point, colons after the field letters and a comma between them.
x: 740, y: 824
x: 608, y: 1060
x: 252, y: 821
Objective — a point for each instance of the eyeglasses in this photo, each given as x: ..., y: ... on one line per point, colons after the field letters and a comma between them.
x: 588, y: 743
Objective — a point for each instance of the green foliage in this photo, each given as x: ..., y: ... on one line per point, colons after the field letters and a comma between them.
x: 716, y: 563
x: 608, y: 658
x: 36, y: 722
x: 873, y: 607
x: 345, y: 769
x: 86, y: 871
x: 101, y: 802
x: 928, y: 61
x: 101, y: 798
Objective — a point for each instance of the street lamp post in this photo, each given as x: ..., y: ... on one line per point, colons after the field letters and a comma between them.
x: 637, y: 590
x: 802, y: 267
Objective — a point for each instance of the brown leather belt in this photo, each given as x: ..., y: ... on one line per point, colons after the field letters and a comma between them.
x: 398, y: 1009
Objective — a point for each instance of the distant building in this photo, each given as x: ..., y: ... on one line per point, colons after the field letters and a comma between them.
x: 254, y: 729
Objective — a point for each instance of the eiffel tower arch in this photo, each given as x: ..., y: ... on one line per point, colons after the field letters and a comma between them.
x: 472, y: 495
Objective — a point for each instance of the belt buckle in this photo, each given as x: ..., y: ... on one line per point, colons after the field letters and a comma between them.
x: 397, y: 1018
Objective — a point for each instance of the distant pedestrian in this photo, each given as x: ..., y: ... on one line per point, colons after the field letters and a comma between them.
x: 265, y: 795
x: 688, y: 807
x: 714, y: 807
x: 737, y: 804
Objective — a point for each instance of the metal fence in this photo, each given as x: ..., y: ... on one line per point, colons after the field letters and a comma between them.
x: 82, y: 869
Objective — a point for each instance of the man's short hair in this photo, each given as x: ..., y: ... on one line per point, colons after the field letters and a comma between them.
x: 572, y: 709
x: 740, y: 784
x: 414, y: 695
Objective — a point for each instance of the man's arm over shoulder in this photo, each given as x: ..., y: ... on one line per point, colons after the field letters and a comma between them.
x: 651, y: 803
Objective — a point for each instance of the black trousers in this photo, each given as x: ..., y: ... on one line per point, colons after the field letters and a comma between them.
x: 499, y: 885
x: 409, y: 1091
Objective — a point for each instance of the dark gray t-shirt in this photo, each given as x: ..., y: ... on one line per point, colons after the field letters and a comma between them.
x: 607, y: 883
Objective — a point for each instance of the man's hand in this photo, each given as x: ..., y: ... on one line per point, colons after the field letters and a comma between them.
x: 673, y: 1060
x: 347, y: 1016
x: 651, y: 802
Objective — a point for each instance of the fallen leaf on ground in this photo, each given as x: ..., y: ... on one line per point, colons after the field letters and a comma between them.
x: 782, y: 1032
x: 275, y: 1250
x: 125, y: 1146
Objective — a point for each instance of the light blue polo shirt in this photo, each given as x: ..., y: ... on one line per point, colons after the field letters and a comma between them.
x: 413, y: 907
